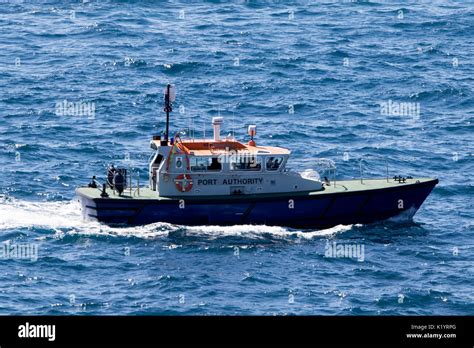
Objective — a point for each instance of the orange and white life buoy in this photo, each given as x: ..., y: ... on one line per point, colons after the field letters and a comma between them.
x: 184, y: 182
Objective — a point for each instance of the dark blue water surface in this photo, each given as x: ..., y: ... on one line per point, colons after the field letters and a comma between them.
x: 311, y: 75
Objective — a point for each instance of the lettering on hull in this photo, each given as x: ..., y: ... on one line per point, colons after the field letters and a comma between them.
x: 235, y: 181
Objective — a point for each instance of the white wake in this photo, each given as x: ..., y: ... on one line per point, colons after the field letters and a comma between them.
x: 65, y: 218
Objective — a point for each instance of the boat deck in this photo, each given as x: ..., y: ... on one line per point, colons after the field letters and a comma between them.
x: 340, y: 186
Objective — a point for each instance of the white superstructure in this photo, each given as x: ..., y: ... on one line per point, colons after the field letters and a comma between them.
x: 222, y: 167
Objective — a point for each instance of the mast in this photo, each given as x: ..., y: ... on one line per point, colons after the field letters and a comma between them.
x: 170, y: 97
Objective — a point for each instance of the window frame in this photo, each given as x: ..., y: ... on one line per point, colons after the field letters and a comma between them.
x: 233, y: 160
x: 267, y: 158
x: 205, y: 169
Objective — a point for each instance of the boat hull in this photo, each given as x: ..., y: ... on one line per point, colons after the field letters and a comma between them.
x: 318, y: 210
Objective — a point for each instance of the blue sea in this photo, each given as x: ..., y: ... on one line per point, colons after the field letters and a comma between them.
x: 368, y: 84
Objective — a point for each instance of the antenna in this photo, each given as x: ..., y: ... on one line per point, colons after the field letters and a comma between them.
x: 189, y: 126
x: 204, y: 129
x: 233, y: 125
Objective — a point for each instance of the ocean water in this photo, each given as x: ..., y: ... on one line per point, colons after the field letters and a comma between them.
x: 325, y: 79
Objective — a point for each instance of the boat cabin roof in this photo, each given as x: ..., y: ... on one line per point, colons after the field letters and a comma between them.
x: 212, y: 148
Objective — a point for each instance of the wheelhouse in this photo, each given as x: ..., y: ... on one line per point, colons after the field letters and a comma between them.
x: 215, y: 166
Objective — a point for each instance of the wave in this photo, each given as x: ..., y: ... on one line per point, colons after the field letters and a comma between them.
x: 175, y: 68
x: 262, y: 231
x: 440, y: 94
x: 64, y: 219
x: 404, y: 217
x: 18, y: 214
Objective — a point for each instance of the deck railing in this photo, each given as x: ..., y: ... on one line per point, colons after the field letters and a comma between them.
x: 133, y: 175
x: 326, y: 168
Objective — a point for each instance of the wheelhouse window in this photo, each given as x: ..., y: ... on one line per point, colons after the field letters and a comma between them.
x: 205, y: 164
x: 274, y: 163
x: 246, y: 163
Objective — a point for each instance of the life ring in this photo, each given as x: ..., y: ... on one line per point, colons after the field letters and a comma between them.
x: 184, y: 182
